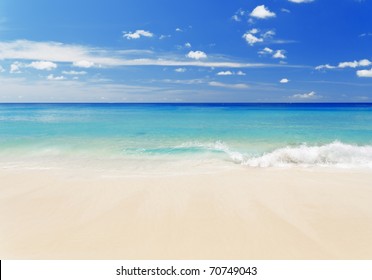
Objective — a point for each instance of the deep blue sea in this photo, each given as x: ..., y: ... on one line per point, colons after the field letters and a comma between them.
x: 252, y: 135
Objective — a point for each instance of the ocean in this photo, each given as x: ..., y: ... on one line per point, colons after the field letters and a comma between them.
x: 143, y: 137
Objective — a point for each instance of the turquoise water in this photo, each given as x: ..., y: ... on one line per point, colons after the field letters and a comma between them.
x: 258, y: 135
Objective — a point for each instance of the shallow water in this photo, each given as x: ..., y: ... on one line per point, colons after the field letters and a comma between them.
x: 256, y: 135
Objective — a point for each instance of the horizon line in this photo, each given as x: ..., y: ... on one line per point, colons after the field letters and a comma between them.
x: 186, y: 103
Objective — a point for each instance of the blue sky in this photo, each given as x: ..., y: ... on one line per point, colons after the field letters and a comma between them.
x: 186, y: 51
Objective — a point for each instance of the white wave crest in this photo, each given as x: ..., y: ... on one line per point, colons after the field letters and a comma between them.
x: 335, y: 154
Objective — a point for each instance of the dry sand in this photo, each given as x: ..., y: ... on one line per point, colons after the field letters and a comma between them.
x: 235, y: 214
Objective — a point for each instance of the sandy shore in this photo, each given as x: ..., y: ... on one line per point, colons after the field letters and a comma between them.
x: 236, y: 214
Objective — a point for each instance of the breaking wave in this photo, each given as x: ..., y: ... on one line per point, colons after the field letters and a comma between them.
x: 335, y: 154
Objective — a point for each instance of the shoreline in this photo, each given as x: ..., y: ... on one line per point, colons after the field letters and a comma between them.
x: 233, y: 214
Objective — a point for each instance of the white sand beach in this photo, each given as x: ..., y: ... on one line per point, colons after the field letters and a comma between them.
x: 245, y: 213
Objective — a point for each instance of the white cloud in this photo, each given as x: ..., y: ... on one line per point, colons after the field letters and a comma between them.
x: 300, y: 1
x: 15, y: 67
x: 240, y: 12
x: 269, y: 34
x: 306, y: 95
x: 351, y: 64
x: 238, y: 15
x: 364, y: 73
x: 74, y: 91
x: 285, y: 10
x: 42, y: 65
x: 266, y: 51
x: 197, y: 55
x: 262, y: 12
x: 2, y: 69
x: 225, y: 73
x: 279, y: 54
x: 230, y: 73
x: 231, y: 86
x: 81, y: 56
x: 180, y: 70
x: 187, y: 45
x: 185, y: 82
x: 354, y: 64
x: 137, y: 34
x: 51, y: 77
x: 236, y: 18
x: 179, y: 29
x: 83, y: 63
x: 282, y: 41
x: 284, y: 81
x: 364, y: 62
x: 346, y: 64
x: 72, y: 72
x: 253, y: 36
x: 53, y: 51
x: 161, y: 37
x: 196, y: 63
x: 251, y: 39
x: 365, y: 34
x: 324, y: 66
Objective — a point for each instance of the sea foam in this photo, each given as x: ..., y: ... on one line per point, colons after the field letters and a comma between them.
x: 217, y: 146
x: 335, y: 154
